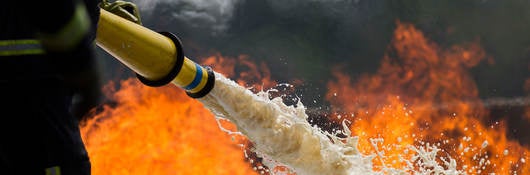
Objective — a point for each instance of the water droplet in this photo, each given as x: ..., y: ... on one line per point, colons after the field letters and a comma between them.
x: 484, y: 144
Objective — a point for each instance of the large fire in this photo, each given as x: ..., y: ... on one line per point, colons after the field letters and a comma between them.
x: 422, y: 94
x: 160, y: 131
x: 163, y: 131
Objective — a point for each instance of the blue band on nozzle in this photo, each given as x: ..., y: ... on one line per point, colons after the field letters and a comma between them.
x: 197, y: 80
x: 210, y: 82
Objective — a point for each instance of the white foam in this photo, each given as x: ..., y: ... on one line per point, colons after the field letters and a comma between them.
x: 283, y: 136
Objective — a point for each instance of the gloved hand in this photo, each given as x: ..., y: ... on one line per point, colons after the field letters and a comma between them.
x: 124, y: 9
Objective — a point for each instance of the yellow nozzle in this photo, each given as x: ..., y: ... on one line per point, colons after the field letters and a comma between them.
x: 157, y: 58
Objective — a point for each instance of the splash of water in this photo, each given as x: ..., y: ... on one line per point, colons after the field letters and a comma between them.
x: 282, y: 134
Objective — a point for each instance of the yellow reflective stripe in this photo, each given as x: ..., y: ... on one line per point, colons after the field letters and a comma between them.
x: 21, y: 52
x: 56, y: 170
x: 18, y: 42
x: 20, y: 47
x: 71, y: 34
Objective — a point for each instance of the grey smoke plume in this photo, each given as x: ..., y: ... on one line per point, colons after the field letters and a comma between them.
x: 213, y: 14
x: 216, y: 14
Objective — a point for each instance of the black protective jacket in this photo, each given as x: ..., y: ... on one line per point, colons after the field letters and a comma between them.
x: 38, y: 121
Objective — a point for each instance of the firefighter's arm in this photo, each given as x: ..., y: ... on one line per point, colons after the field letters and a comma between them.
x: 67, y: 31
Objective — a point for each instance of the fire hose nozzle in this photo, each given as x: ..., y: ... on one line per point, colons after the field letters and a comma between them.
x: 157, y: 58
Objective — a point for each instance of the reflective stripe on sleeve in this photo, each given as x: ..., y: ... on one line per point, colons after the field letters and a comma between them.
x: 20, y: 47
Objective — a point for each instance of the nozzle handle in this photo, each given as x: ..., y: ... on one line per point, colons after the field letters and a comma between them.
x: 176, y: 67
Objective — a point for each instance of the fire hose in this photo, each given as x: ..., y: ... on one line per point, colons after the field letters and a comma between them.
x: 157, y: 58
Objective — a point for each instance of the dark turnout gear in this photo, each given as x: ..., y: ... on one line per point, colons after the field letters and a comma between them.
x: 46, y: 60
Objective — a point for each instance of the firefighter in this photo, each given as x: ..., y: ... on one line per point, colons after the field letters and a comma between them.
x: 48, y: 82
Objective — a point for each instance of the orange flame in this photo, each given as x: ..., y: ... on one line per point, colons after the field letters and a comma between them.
x: 424, y: 94
x: 160, y: 131
x: 250, y: 74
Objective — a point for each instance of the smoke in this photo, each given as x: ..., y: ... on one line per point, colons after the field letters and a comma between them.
x: 216, y: 15
x: 304, y: 39
x: 284, y: 5
x: 213, y: 14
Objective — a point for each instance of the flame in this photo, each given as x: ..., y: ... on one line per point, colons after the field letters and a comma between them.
x: 424, y: 94
x: 249, y: 74
x: 160, y: 131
